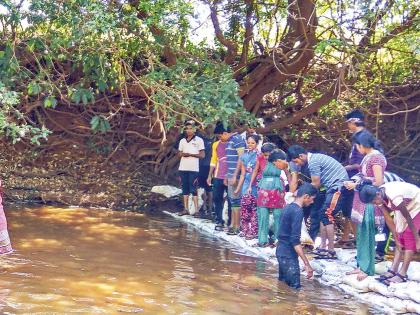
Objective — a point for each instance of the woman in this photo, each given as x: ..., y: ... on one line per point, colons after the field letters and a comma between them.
x: 247, y: 164
x: 371, y: 168
x: 404, y: 200
x: 5, y: 245
x: 270, y: 195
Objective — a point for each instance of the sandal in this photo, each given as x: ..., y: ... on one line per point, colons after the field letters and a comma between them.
x: 327, y: 255
x: 348, y: 245
x: 384, y: 277
x: 379, y: 258
x: 319, y: 251
x: 232, y: 231
x: 218, y: 228
x: 388, y: 281
x: 185, y: 212
x: 261, y: 245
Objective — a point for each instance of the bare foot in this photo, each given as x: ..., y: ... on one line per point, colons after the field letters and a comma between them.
x: 354, y: 272
x: 361, y: 276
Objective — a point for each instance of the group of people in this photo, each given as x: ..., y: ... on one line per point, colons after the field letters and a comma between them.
x: 299, y: 186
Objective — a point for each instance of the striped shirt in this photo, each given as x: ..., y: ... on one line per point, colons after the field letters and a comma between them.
x: 332, y: 174
x: 388, y: 177
x: 234, y: 148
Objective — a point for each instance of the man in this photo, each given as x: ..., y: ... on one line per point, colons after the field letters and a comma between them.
x: 404, y: 199
x: 289, y: 247
x: 356, y: 126
x: 191, y: 149
x: 235, y: 147
x: 329, y: 173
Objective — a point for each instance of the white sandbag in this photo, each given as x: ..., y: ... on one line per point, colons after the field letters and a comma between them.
x: 191, y: 207
x: 304, y: 235
x: 361, y: 286
x: 413, y: 307
x: 396, y: 304
x: 345, y: 255
x: 381, y: 268
x: 225, y: 215
x: 380, y: 288
x: 167, y: 190
x: 317, y: 266
x: 415, y: 294
x: 413, y: 272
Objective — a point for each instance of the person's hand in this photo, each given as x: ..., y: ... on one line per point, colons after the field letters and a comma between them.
x: 225, y: 182
x: 209, y: 181
x: 249, y: 190
x: 309, y: 271
x: 350, y: 185
x: 185, y: 154
x: 236, y: 191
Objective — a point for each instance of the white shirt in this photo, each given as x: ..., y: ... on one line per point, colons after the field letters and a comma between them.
x: 194, y: 146
x: 399, y: 192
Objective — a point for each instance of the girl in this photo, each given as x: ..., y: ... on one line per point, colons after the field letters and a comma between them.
x: 270, y: 196
x: 371, y: 168
x: 247, y: 164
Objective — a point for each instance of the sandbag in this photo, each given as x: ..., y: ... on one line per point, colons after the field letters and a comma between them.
x: 345, y: 255
x: 380, y: 288
x: 191, y: 207
x: 413, y: 272
x: 396, y: 304
x: 167, y: 190
x: 361, y: 286
x: 289, y: 197
x: 304, y: 235
x: 413, y: 307
x: 381, y: 268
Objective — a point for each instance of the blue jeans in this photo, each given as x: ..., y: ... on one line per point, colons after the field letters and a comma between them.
x: 289, y: 271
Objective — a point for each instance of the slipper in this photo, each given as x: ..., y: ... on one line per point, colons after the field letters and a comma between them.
x: 383, y: 277
x: 347, y: 245
x: 232, y: 231
x: 319, y: 251
x: 261, y: 245
x: 185, y: 212
x: 327, y: 255
x: 387, y: 282
x: 218, y: 227
x: 379, y: 258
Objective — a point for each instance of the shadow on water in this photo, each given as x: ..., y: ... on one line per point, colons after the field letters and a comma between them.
x: 103, y: 262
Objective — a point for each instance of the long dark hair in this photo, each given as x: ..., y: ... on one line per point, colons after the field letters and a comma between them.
x: 367, y: 140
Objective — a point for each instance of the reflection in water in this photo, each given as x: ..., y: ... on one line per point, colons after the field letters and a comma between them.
x: 104, y: 262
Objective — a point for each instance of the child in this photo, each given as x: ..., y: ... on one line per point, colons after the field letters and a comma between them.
x: 191, y: 149
x: 247, y: 163
x: 289, y: 247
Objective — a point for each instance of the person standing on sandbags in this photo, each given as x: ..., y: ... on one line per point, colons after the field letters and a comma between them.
x: 191, y: 149
x: 327, y: 172
x: 404, y: 199
x: 289, y: 247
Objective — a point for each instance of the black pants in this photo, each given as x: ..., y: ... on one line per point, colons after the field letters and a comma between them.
x: 219, y: 188
x: 289, y: 271
x: 189, y: 181
x: 314, y: 212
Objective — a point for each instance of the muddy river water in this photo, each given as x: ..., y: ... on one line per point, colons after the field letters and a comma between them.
x: 103, y: 262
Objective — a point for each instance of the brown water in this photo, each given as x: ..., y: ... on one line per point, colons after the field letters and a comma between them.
x: 103, y: 262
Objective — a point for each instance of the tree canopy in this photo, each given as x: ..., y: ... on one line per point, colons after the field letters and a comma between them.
x: 122, y: 75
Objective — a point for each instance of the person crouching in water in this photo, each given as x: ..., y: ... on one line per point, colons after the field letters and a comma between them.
x: 404, y: 200
x: 191, y: 149
x: 289, y: 247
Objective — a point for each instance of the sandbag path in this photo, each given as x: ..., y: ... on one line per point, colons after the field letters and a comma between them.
x: 399, y: 298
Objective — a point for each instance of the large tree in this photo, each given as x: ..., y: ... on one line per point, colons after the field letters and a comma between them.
x: 120, y: 76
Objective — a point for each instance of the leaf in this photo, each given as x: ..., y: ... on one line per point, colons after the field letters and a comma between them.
x: 94, y: 123
x: 50, y: 101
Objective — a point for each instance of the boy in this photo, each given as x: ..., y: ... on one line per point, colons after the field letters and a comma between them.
x: 289, y: 247
x: 191, y: 149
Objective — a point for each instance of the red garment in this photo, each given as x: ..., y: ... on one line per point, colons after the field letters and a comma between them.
x: 262, y: 161
x: 273, y: 198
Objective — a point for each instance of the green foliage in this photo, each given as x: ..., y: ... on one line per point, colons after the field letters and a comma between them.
x: 12, y: 122
x: 99, y: 124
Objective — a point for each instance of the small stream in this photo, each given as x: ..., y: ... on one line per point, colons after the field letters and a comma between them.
x: 88, y: 261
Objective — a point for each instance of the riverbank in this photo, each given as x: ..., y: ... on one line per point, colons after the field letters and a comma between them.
x: 73, y: 175
x: 396, y: 299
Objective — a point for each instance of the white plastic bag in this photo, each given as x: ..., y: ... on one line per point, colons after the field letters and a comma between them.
x: 304, y: 235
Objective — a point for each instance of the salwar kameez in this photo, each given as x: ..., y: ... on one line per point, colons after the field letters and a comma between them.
x: 5, y: 244
x: 270, y: 197
x: 365, y: 242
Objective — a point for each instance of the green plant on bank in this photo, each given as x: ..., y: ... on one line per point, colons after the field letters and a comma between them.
x: 12, y: 122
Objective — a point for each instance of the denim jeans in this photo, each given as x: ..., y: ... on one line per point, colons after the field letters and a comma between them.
x: 289, y: 271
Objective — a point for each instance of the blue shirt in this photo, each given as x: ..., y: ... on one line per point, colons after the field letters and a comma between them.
x: 234, y: 144
x: 332, y: 174
x: 289, y: 231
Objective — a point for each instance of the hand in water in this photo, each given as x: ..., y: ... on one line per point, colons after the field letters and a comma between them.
x: 309, y: 271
